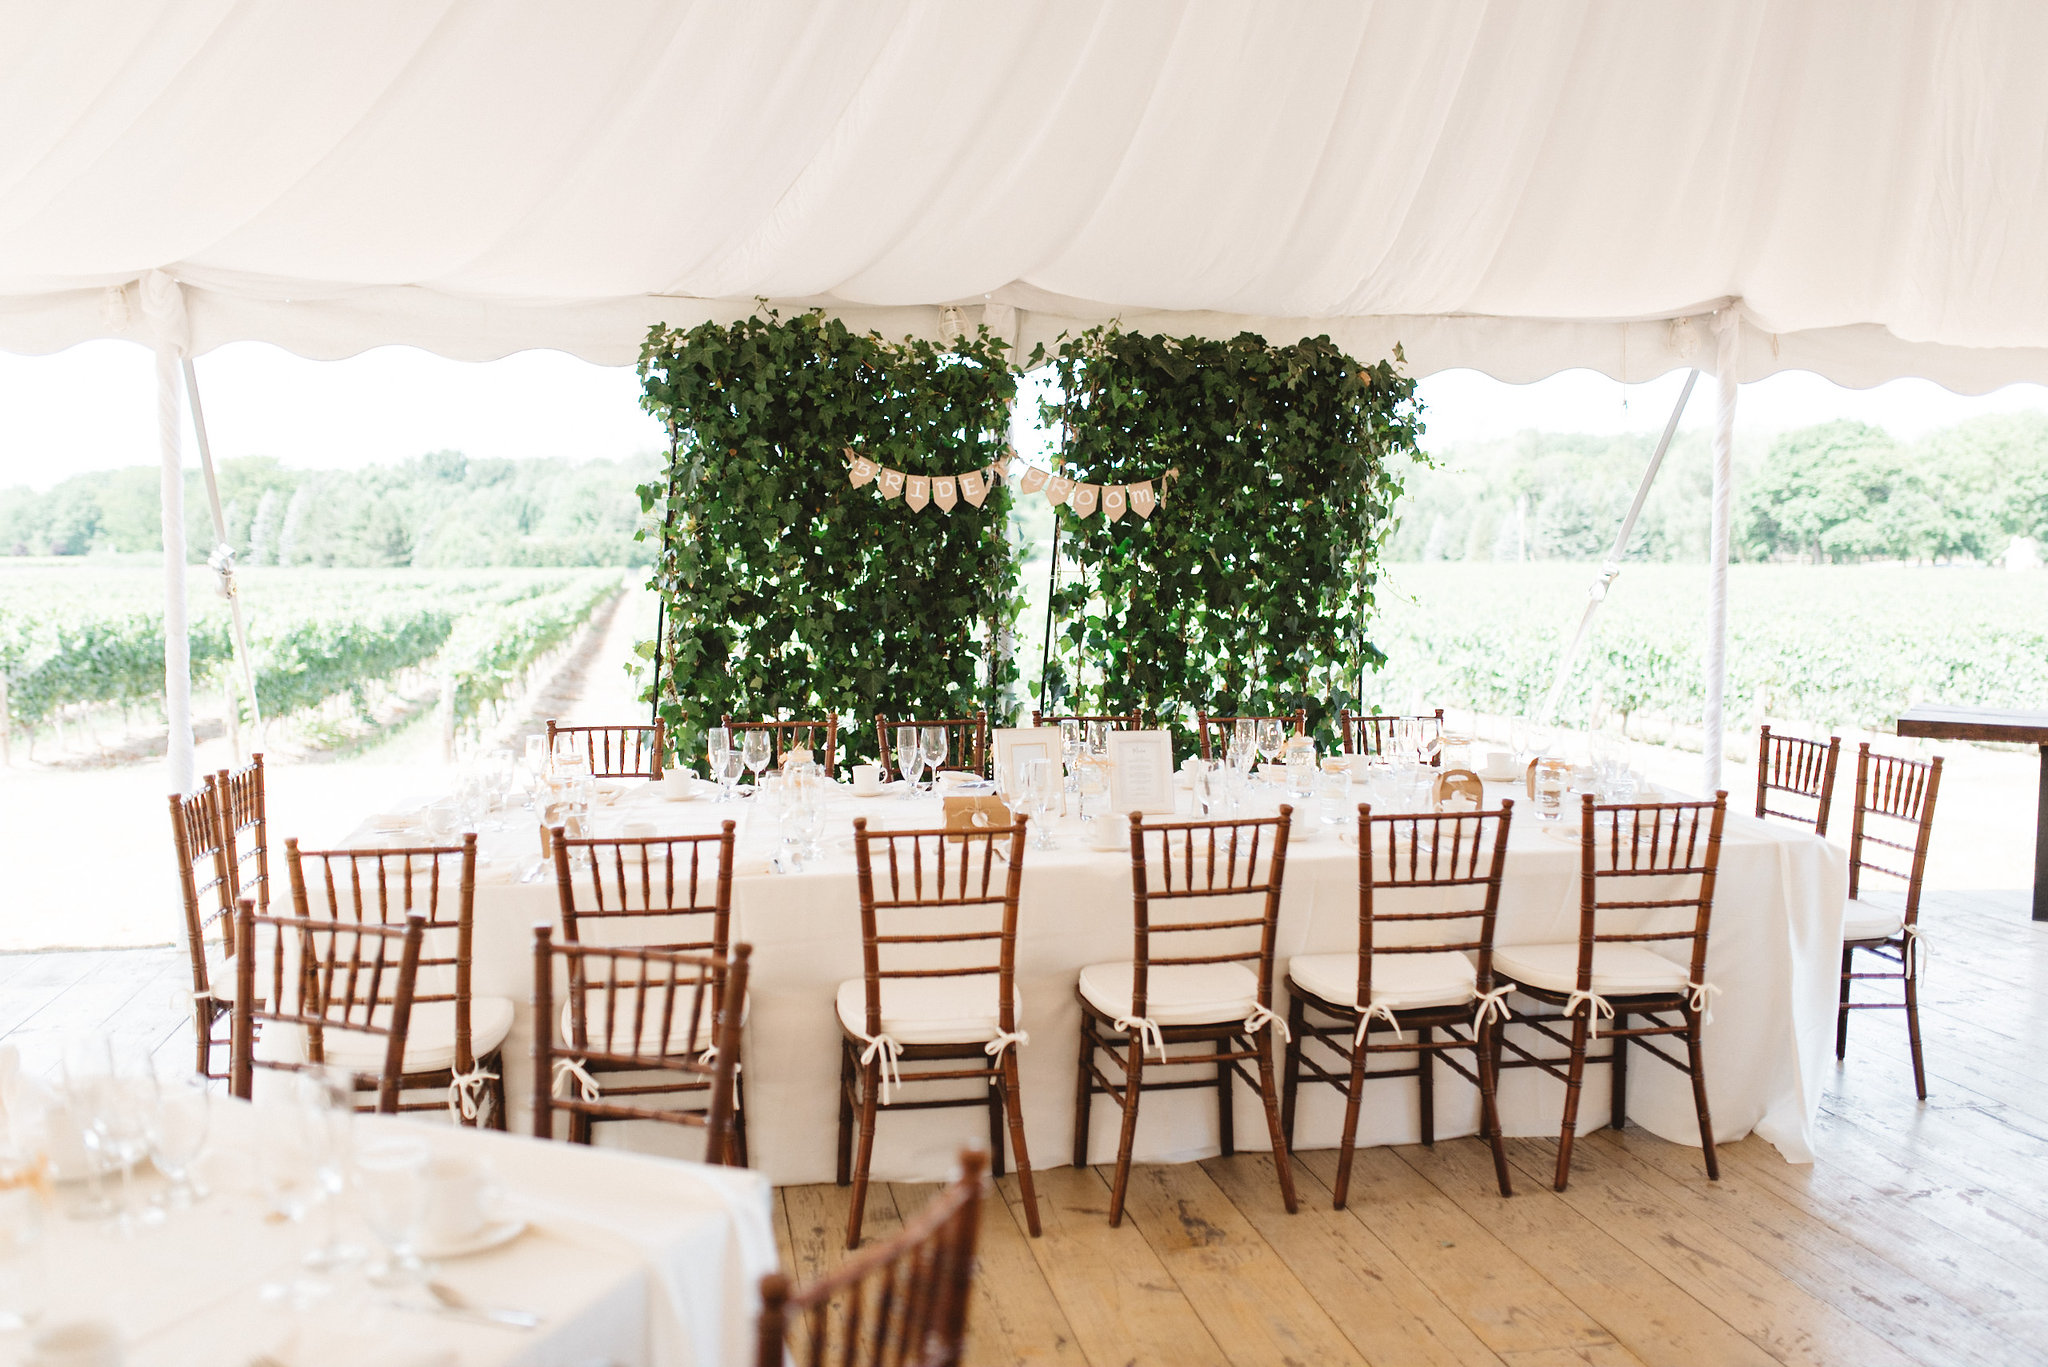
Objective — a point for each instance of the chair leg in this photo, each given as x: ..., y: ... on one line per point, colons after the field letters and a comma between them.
x: 202, y: 1030
x: 1699, y: 1094
x: 845, y: 1114
x: 1347, y: 1144
x: 995, y: 1129
x: 1226, y: 1129
x: 1013, y: 1102
x: 1842, y: 1011
x: 1913, y: 1019
x: 1269, y: 1093
x: 1575, y: 1079
x: 1619, y: 1116
x: 1290, y: 1073
x: 496, y: 1094
x: 1084, y: 1091
x: 1487, y: 1056
x: 870, y: 1082
x: 739, y: 1120
x: 1134, y: 1079
x: 1425, y: 1080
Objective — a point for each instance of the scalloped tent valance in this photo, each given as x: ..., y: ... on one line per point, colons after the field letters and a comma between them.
x: 1517, y: 187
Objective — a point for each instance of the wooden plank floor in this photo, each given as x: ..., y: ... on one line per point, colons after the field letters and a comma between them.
x: 1921, y: 1235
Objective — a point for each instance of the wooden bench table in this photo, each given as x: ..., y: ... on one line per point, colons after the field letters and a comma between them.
x: 1937, y: 722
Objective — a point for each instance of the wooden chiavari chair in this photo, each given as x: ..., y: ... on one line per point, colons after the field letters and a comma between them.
x: 455, y: 1046
x: 644, y: 1012
x: 1205, y: 722
x: 619, y: 751
x: 245, y: 830
x: 343, y: 994
x: 821, y: 738
x: 222, y: 845
x: 1372, y: 733
x: 902, y: 1303
x: 966, y: 741
x: 1610, y: 971
x: 1117, y: 721
x: 672, y: 894
x: 1421, y: 970
x: 939, y: 968
x: 1803, y: 768
x: 1900, y: 792
x: 1219, y: 994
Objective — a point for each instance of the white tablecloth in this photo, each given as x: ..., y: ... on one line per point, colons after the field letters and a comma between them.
x: 633, y: 1261
x: 1774, y: 953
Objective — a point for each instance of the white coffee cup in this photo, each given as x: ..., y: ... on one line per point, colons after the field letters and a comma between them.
x: 867, y: 779
x: 678, y: 783
x: 1109, y: 833
x: 458, y: 1198
x: 1499, y: 764
x: 76, y: 1343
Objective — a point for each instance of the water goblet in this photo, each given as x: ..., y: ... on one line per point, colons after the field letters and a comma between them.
x: 1272, y: 739
x: 1038, y: 788
x: 391, y: 1198
x: 758, y: 749
x: 327, y: 1107
x: 909, y: 759
x: 1553, y: 777
x: 572, y: 754
x: 1072, y: 741
x: 1244, y: 734
x: 727, y: 767
x: 717, y: 740
x: 932, y: 744
x: 1098, y: 739
x: 177, y: 1133
x: 84, y: 1073
x: 1093, y: 782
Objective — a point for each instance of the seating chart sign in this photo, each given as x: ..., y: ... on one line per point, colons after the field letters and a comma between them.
x: 1141, y: 772
x: 1016, y: 744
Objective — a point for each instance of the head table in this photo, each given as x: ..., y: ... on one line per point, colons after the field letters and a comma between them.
x: 1774, y: 956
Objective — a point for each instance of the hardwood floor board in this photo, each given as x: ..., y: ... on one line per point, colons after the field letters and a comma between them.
x: 1506, y: 1303
x: 1654, y: 1317
x: 1014, y: 1317
x: 1882, y: 1294
x: 1123, y: 1305
x: 1382, y: 1307
x: 1696, y: 1249
x: 1252, y: 1305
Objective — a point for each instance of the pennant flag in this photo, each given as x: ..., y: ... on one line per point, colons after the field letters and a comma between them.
x: 917, y: 491
x: 974, y: 487
x: 1032, y: 480
x: 1084, y: 498
x: 891, y: 483
x: 1114, y: 502
x: 862, y: 469
x: 1056, y: 490
x: 1142, y: 501
x: 945, y: 492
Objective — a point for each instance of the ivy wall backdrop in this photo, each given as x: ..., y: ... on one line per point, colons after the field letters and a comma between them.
x: 789, y: 590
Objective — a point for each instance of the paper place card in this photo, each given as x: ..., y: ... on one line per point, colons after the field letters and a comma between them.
x: 1141, y: 772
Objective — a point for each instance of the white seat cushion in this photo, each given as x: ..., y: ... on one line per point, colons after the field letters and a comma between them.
x: 1400, y: 982
x: 1175, y: 994
x: 429, y: 1037
x: 1622, y: 970
x: 651, y: 1042
x: 963, y: 1010
x: 1863, y: 921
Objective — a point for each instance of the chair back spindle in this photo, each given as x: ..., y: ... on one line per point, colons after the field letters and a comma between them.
x: 1447, y: 853
x: 630, y: 751
x: 1676, y: 841
x: 1206, y: 722
x: 821, y: 738
x: 1372, y: 733
x: 966, y: 741
x: 1892, y: 821
x: 1803, y: 769
x: 1177, y: 867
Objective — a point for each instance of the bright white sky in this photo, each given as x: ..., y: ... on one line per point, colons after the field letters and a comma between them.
x: 94, y: 407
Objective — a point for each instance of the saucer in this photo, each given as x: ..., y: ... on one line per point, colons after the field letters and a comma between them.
x: 494, y: 1234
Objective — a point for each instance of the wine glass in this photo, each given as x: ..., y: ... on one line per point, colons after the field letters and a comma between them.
x: 1093, y: 782
x: 932, y: 743
x: 1272, y: 738
x: 391, y: 1198
x: 572, y: 754
x: 536, y: 768
x: 727, y: 767
x: 758, y: 749
x: 327, y: 1109
x: 909, y: 759
x: 1038, y: 793
x: 1098, y: 739
x: 177, y: 1133
x: 717, y: 740
x: 1244, y: 734
x: 1071, y: 742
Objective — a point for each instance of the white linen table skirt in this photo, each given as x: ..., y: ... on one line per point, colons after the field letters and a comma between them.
x: 632, y: 1261
x: 1774, y: 953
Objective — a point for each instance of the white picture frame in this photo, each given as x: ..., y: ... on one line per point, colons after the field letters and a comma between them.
x: 1141, y: 772
x: 1015, y: 744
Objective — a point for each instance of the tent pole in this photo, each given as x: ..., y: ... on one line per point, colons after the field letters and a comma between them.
x: 1609, y: 571
x: 1728, y: 351
x: 1052, y: 585
x: 178, y: 757
x: 223, y: 558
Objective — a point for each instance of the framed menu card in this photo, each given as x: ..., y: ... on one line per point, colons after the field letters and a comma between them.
x: 1015, y: 744
x: 1141, y: 772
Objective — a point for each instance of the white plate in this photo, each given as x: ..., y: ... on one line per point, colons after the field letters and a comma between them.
x: 392, y: 821
x: 1499, y: 776
x: 496, y: 1234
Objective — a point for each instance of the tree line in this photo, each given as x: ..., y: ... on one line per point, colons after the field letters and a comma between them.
x: 1833, y: 493
x: 440, y: 510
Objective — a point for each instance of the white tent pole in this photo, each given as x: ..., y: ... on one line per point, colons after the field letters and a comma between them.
x: 223, y: 558
x: 1728, y: 332
x: 1611, y: 569
x: 178, y: 758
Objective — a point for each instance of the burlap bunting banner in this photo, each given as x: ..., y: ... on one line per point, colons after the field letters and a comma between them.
x: 974, y: 486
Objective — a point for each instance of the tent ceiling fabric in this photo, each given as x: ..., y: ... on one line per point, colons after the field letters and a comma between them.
x: 1518, y: 187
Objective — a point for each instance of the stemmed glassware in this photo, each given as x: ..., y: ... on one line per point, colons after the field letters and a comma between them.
x: 572, y: 755
x: 110, y: 1093
x: 1272, y: 738
x: 727, y: 767
x: 534, y: 777
x: 909, y: 760
x: 757, y: 749
x: 177, y: 1133
x: 1244, y: 735
x: 932, y: 744
x: 327, y: 1108
x: 1038, y: 786
x: 391, y: 1197
x: 717, y: 740
x: 1071, y: 742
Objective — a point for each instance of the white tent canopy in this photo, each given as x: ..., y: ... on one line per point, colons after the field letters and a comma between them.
x: 1518, y: 187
